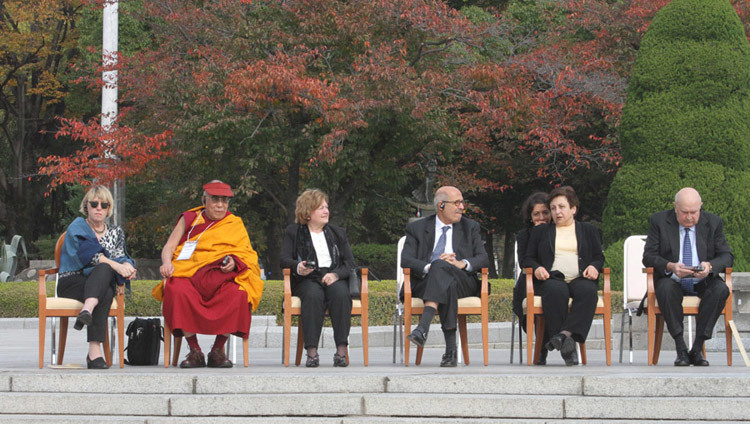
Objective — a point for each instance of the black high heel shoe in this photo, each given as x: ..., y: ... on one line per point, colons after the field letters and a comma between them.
x: 96, y: 364
x: 84, y: 318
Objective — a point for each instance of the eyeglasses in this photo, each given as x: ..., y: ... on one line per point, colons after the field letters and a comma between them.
x: 217, y: 199
x: 455, y: 203
x: 94, y: 204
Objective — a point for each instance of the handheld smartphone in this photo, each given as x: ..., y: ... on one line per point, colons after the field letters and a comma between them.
x: 225, y: 261
x: 698, y: 268
x: 310, y: 264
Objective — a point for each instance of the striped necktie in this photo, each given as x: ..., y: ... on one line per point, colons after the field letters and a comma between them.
x: 687, y: 260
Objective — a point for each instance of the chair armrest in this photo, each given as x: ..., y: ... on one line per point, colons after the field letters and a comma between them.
x: 363, y: 288
x: 485, y: 289
x: 728, y: 279
x: 287, y: 301
x: 529, y: 282
x: 407, y: 286
x: 607, y: 292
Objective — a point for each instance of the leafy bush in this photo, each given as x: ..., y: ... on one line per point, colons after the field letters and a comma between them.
x: 379, y: 258
x: 686, y: 122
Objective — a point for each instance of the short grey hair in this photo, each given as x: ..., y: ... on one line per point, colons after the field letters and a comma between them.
x: 440, y: 196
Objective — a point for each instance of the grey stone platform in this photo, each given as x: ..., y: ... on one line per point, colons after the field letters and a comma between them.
x: 268, y: 392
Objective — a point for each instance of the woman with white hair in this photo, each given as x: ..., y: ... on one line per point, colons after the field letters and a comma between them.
x: 93, y: 262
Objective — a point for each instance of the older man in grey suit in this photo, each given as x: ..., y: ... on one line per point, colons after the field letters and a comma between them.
x: 443, y: 267
x: 687, y: 249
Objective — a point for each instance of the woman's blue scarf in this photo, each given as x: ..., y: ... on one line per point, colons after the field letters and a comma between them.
x: 79, y: 248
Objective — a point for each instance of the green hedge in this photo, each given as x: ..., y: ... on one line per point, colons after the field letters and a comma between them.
x: 19, y: 300
x: 686, y: 122
x: 379, y: 258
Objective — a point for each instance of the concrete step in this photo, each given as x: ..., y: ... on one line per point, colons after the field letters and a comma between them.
x: 356, y: 396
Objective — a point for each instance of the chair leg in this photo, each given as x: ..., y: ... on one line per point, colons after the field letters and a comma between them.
x: 366, y: 338
x: 176, y: 353
x: 63, y: 339
x: 107, y: 350
x: 630, y: 335
x: 539, y: 338
x: 121, y: 337
x: 287, y: 337
x: 512, y: 336
x: 42, y: 330
x: 167, y: 344
x: 651, y: 336
x: 622, y: 334
x: 486, y: 337
x: 464, y: 338
x: 300, y: 341
x: 582, y: 348
x: 728, y: 334
x: 658, y: 334
x: 608, y: 336
x: 520, y: 343
x: 407, y: 331
x: 420, y: 352
x: 530, y: 318
x: 395, y: 323
x: 245, y: 354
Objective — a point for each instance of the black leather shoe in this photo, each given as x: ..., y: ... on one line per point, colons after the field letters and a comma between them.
x: 697, y: 359
x: 84, y: 318
x: 418, y: 337
x: 542, y: 357
x: 683, y: 359
x: 570, y: 358
x: 450, y: 359
x: 96, y: 364
x: 556, y: 342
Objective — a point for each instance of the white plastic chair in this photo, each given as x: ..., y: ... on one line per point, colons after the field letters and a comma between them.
x: 398, y: 314
x: 516, y: 273
x: 633, y: 285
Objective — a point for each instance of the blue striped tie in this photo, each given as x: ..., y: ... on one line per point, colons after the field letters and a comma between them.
x: 440, y: 246
x: 687, y: 259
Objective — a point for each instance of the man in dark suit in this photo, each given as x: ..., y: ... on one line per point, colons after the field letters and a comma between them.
x: 687, y: 249
x: 443, y: 268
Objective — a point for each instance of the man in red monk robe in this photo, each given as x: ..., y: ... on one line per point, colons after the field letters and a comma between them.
x: 212, y: 278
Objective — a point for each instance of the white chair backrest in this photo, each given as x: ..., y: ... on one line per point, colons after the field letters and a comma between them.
x: 399, y: 270
x: 634, y: 280
x: 516, y: 265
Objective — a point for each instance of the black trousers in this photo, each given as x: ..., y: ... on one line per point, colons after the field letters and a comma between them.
x: 713, y: 292
x: 555, y: 295
x: 315, y: 300
x: 445, y: 284
x: 99, y: 284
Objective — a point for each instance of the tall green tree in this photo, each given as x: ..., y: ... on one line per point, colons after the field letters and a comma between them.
x: 686, y: 122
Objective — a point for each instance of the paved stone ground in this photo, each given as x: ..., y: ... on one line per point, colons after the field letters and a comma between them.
x: 19, y: 349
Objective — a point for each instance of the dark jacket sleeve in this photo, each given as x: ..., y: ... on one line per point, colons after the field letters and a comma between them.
x: 723, y: 257
x: 531, y: 258
x: 288, y: 257
x: 479, y: 258
x: 522, y: 241
x: 343, y: 269
x: 594, y: 255
x: 409, y: 255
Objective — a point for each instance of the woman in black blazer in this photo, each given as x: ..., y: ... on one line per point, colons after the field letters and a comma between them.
x: 534, y: 212
x: 320, y: 259
x: 567, y: 258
